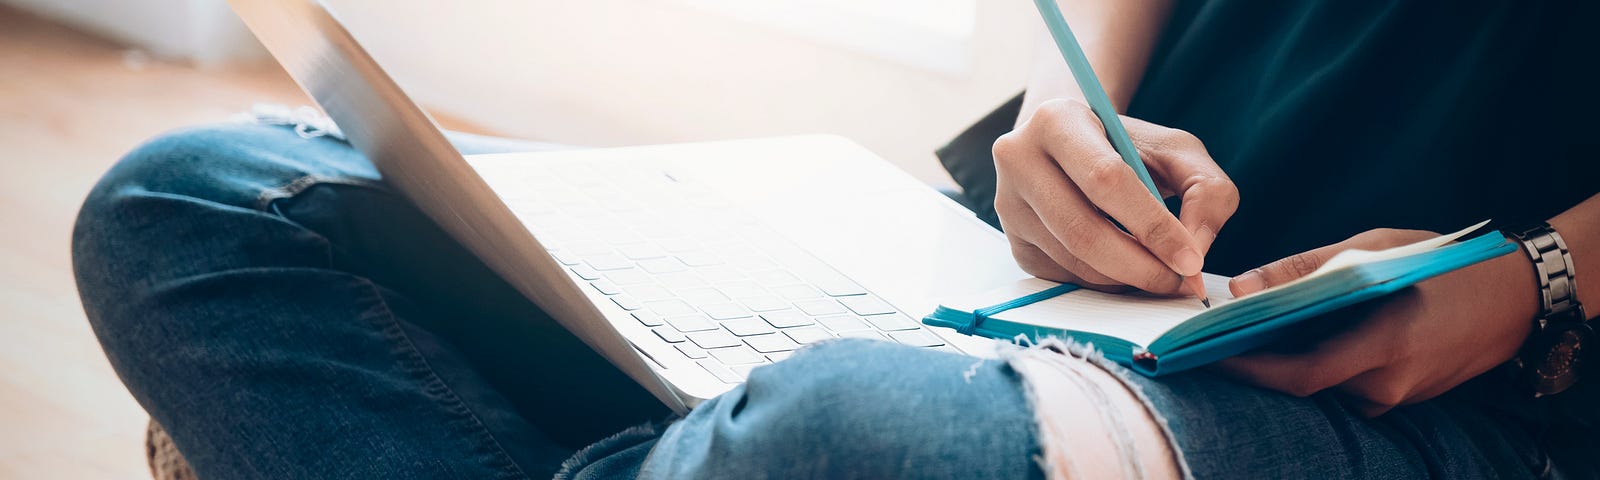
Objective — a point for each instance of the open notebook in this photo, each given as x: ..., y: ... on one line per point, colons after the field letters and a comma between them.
x: 1160, y: 335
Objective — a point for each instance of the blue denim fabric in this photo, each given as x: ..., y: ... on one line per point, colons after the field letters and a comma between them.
x: 284, y: 315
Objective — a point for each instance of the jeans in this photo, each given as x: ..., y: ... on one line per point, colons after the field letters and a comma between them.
x: 285, y: 315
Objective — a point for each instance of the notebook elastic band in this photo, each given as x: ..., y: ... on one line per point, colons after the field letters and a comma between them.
x: 982, y: 314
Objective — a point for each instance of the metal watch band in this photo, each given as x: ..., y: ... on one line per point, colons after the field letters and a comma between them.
x: 1553, y: 356
x: 1552, y: 264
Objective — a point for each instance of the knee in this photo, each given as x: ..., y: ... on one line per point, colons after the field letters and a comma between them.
x: 203, y: 162
x: 874, y: 395
x: 167, y: 200
x: 860, y: 408
x: 228, y: 165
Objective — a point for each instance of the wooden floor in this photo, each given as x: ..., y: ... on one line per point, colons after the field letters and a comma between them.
x: 70, y: 105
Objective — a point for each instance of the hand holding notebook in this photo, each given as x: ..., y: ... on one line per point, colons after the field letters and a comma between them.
x: 1160, y: 335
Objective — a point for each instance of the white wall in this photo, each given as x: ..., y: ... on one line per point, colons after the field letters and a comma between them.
x: 619, y: 72
x: 202, y: 31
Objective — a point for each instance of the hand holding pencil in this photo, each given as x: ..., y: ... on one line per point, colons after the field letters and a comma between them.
x: 1080, y: 190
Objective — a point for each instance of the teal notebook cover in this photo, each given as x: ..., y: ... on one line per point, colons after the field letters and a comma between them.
x: 1169, y: 335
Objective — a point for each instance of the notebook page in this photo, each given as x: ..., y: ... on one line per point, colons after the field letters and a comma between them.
x: 1136, y: 318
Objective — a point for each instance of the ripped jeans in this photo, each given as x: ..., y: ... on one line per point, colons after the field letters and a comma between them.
x: 284, y: 315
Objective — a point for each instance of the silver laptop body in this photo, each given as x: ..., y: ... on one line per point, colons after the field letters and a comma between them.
x: 686, y: 266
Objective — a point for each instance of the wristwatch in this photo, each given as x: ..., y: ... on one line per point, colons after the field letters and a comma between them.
x: 1552, y: 359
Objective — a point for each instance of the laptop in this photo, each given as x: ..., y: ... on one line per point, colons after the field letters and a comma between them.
x: 687, y: 266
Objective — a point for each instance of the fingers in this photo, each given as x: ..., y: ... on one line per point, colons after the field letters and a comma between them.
x: 1282, y: 271
x: 1072, y: 136
x: 1039, y: 253
x: 1207, y: 205
x: 1034, y: 188
x: 1302, y: 264
x: 1330, y: 363
x: 1179, y: 162
x: 1376, y: 392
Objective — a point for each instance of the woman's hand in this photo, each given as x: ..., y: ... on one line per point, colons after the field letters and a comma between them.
x: 1415, y: 344
x: 1059, y: 179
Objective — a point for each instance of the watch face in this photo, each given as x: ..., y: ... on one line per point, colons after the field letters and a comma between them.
x: 1562, y: 358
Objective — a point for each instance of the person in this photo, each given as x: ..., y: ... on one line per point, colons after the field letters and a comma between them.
x: 283, y: 314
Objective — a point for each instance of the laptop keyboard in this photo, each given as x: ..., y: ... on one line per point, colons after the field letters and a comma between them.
x: 714, y: 284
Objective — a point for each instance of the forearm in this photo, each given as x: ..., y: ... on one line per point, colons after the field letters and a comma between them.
x: 1118, y: 38
x: 1579, y: 226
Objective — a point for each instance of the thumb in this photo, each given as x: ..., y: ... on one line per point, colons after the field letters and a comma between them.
x: 1300, y: 265
x: 1280, y: 272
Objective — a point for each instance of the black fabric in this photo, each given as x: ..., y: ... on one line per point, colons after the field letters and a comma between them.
x: 1336, y: 117
x: 970, y: 159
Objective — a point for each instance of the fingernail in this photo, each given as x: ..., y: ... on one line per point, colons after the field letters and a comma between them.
x: 1249, y: 282
x: 1188, y: 262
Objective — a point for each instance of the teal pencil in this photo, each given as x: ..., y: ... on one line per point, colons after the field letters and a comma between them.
x: 1100, y: 103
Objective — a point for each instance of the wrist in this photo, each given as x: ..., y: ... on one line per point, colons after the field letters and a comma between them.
x: 1581, y: 239
x: 1551, y: 358
x: 1517, y: 286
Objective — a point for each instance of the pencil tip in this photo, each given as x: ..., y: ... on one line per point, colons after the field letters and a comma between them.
x: 1206, y: 302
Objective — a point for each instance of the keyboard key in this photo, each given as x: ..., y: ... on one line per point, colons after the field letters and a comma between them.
x: 742, y: 289
x: 797, y: 292
x: 662, y: 265
x: 669, y: 335
x: 605, y: 287
x: 690, y: 323
x: 669, y: 307
x: 776, y: 357
x: 565, y: 257
x: 609, y: 261
x: 843, y: 323
x: 745, y: 327
x: 630, y: 276
x: 866, y: 305
x: 736, y: 356
x: 678, y: 244
x: 774, y: 278
x: 720, y: 273
x: 691, y: 351
x: 722, y: 372
x: 766, y: 303
x: 626, y: 302
x: 753, y: 263
x: 744, y: 370
x: 819, y: 307
x: 725, y: 311
x: 808, y: 335
x: 771, y: 343
x: 701, y: 295
x: 917, y: 338
x: 642, y: 251
x: 838, y: 286
x: 648, y: 292
x: 699, y: 259
x: 787, y: 318
x: 588, y: 248
x: 585, y: 272
x: 681, y: 280
x: 892, y: 322
x: 867, y: 334
x: 718, y: 338
x: 648, y: 319
x: 622, y: 237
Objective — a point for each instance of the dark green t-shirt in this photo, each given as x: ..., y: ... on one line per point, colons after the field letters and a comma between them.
x: 1334, y: 117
